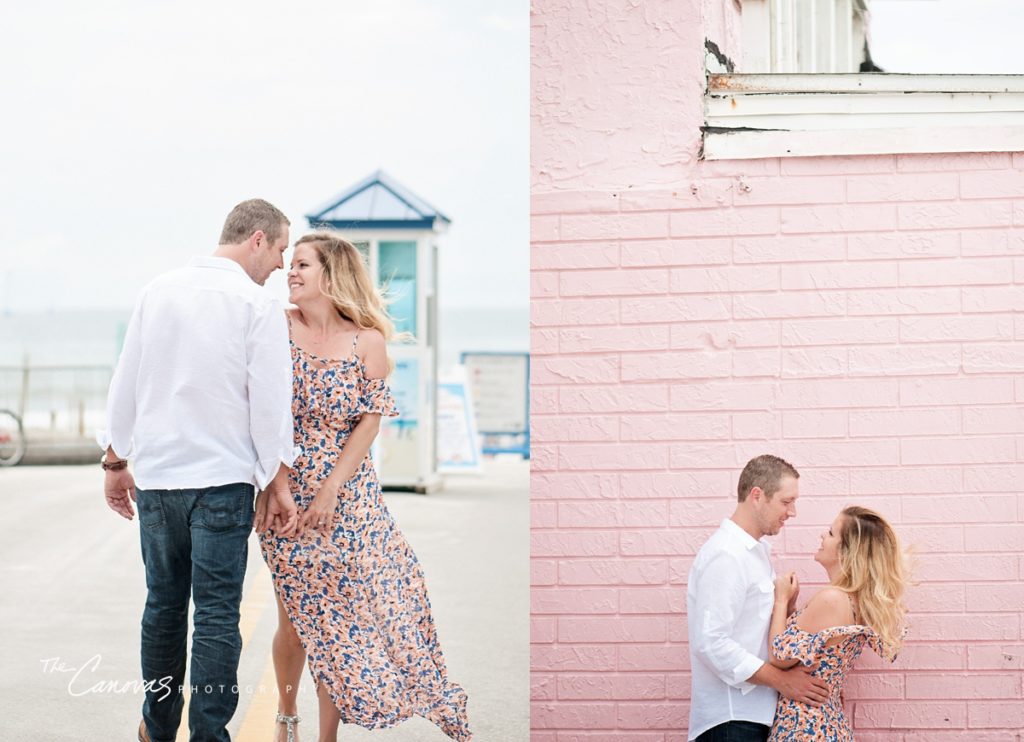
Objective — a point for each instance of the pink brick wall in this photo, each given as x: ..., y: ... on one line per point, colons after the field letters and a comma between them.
x: 862, y: 317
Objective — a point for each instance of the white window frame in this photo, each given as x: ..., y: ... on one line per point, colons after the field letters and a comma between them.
x: 806, y: 114
x: 791, y: 36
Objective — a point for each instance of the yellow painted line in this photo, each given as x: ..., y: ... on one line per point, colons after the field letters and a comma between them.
x: 259, y: 720
x: 254, y: 605
x: 258, y: 723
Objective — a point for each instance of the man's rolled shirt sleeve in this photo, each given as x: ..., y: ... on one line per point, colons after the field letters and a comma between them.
x: 270, y: 392
x: 722, y: 592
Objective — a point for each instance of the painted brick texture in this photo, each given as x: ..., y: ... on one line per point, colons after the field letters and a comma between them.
x: 862, y: 317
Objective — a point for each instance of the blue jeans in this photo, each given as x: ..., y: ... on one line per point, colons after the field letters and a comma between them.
x: 735, y: 731
x: 194, y: 541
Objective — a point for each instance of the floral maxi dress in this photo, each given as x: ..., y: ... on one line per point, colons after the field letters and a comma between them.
x: 798, y: 722
x: 353, y: 589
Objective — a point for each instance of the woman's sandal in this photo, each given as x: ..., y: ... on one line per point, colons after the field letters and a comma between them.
x: 290, y: 722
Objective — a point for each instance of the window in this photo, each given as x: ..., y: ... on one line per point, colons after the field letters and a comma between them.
x: 397, y: 270
x: 364, y: 250
x: 787, y: 36
x: 808, y: 86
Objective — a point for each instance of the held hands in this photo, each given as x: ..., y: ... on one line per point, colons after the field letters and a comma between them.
x: 320, y: 512
x: 119, y: 489
x: 787, y: 588
x: 275, y: 512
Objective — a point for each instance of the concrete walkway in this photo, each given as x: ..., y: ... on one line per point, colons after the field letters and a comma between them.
x: 73, y: 587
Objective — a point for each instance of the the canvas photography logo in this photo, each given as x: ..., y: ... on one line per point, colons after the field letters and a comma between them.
x: 88, y: 678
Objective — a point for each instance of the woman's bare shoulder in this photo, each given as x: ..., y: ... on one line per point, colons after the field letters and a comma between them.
x: 829, y: 607
x: 372, y: 338
x: 372, y: 349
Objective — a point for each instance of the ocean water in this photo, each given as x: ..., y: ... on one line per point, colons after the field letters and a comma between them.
x: 71, y: 355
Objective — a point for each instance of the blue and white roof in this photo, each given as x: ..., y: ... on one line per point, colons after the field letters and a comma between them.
x: 378, y: 202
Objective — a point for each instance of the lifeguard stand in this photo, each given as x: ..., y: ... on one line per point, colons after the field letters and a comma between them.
x: 397, y: 233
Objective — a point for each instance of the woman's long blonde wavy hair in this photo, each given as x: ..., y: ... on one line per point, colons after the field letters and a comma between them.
x: 346, y: 282
x: 874, y: 572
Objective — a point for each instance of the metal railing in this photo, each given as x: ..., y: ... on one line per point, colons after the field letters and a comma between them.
x: 50, y: 411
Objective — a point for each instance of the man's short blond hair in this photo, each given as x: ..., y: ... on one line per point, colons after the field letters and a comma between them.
x: 252, y: 216
x: 765, y: 471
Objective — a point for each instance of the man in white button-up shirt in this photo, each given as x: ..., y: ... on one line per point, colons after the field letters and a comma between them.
x: 201, y: 404
x: 729, y: 599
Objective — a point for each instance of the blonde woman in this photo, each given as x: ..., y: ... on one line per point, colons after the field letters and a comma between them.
x: 351, y: 596
x: 862, y: 605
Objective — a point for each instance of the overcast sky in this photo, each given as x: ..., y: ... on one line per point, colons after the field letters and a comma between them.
x: 948, y: 36
x: 131, y: 128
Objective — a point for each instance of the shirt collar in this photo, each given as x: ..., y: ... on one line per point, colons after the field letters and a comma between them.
x: 748, y: 541
x: 212, y: 261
